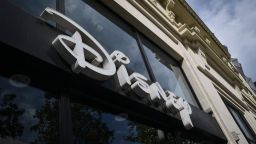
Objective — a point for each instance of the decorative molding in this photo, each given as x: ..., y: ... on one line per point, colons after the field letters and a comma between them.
x: 207, y: 41
x: 195, y: 29
x: 202, y: 24
x: 167, y: 4
x: 225, y: 93
x: 153, y: 5
x: 235, y: 136
x: 165, y: 7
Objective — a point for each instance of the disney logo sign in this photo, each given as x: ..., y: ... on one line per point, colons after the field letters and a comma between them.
x: 87, y: 56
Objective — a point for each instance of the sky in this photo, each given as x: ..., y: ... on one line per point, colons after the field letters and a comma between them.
x: 233, y: 22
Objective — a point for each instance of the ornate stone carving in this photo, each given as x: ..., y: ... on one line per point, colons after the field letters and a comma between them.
x: 207, y: 41
x: 154, y: 1
x: 171, y: 15
x: 235, y: 136
x: 167, y: 4
x: 196, y: 29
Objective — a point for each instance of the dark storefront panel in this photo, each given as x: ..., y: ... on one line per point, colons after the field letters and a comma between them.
x: 81, y: 100
x: 34, y: 7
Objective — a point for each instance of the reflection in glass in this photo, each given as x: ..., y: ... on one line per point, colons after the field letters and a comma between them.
x: 27, y: 115
x: 111, y: 36
x: 144, y: 135
x: 98, y: 127
x: 35, y: 7
x: 168, y: 72
x: 94, y: 126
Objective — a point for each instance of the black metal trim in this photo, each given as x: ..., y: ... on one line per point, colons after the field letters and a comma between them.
x: 65, y: 120
x: 60, y: 6
x: 144, y: 56
x: 161, y: 134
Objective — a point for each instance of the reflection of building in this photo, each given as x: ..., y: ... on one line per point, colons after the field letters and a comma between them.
x: 165, y: 41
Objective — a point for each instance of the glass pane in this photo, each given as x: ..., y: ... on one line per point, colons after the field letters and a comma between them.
x: 168, y: 72
x: 177, y: 138
x: 95, y: 126
x: 35, y: 7
x: 110, y: 31
x: 27, y: 114
x: 242, y: 124
x: 92, y: 125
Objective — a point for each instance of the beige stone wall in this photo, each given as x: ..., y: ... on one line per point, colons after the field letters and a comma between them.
x: 170, y: 24
x: 212, y: 101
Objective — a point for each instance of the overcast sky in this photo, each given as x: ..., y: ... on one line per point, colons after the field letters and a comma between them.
x: 234, y: 23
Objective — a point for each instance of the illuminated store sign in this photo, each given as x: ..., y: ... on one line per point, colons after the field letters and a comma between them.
x: 86, y: 55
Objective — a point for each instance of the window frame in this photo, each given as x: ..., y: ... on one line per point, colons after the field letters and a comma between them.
x: 142, y: 47
x: 242, y: 118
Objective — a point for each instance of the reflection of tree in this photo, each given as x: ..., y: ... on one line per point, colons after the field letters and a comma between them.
x: 141, y: 134
x: 146, y: 135
x: 88, y: 126
x: 9, y: 117
x: 46, y: 127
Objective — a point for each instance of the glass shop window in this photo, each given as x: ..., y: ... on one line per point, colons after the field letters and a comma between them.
x: 27, y: 114
x: 95, y: 126
x: 35, y: 7
x: 167, y: 72
x: 248, y: 133
x: 110, y: 31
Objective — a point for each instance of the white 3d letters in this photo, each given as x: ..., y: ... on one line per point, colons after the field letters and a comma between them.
x: 157, y: 92
x: 86, y: 55
x: 139, y: 84
x: 84, y: 58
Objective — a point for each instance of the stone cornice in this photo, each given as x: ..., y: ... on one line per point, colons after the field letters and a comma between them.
x: 145, y: 10
x: 241, y: 105
x: 198, y: 19
x: 249, y: 100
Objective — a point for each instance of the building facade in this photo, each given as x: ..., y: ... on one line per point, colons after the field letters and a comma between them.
x: 118, y: 71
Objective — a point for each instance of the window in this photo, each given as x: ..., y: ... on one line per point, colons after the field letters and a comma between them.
x: 94, y: 123
x: 167, y: 72
x: 35, y: 7
x: 27, y: 114
x: 241, y: 122
x: 111, y: 32
x: 91, y: 125
x: 114, y: 34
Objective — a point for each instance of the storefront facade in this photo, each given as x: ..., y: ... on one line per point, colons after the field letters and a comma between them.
x: 116, y: 71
